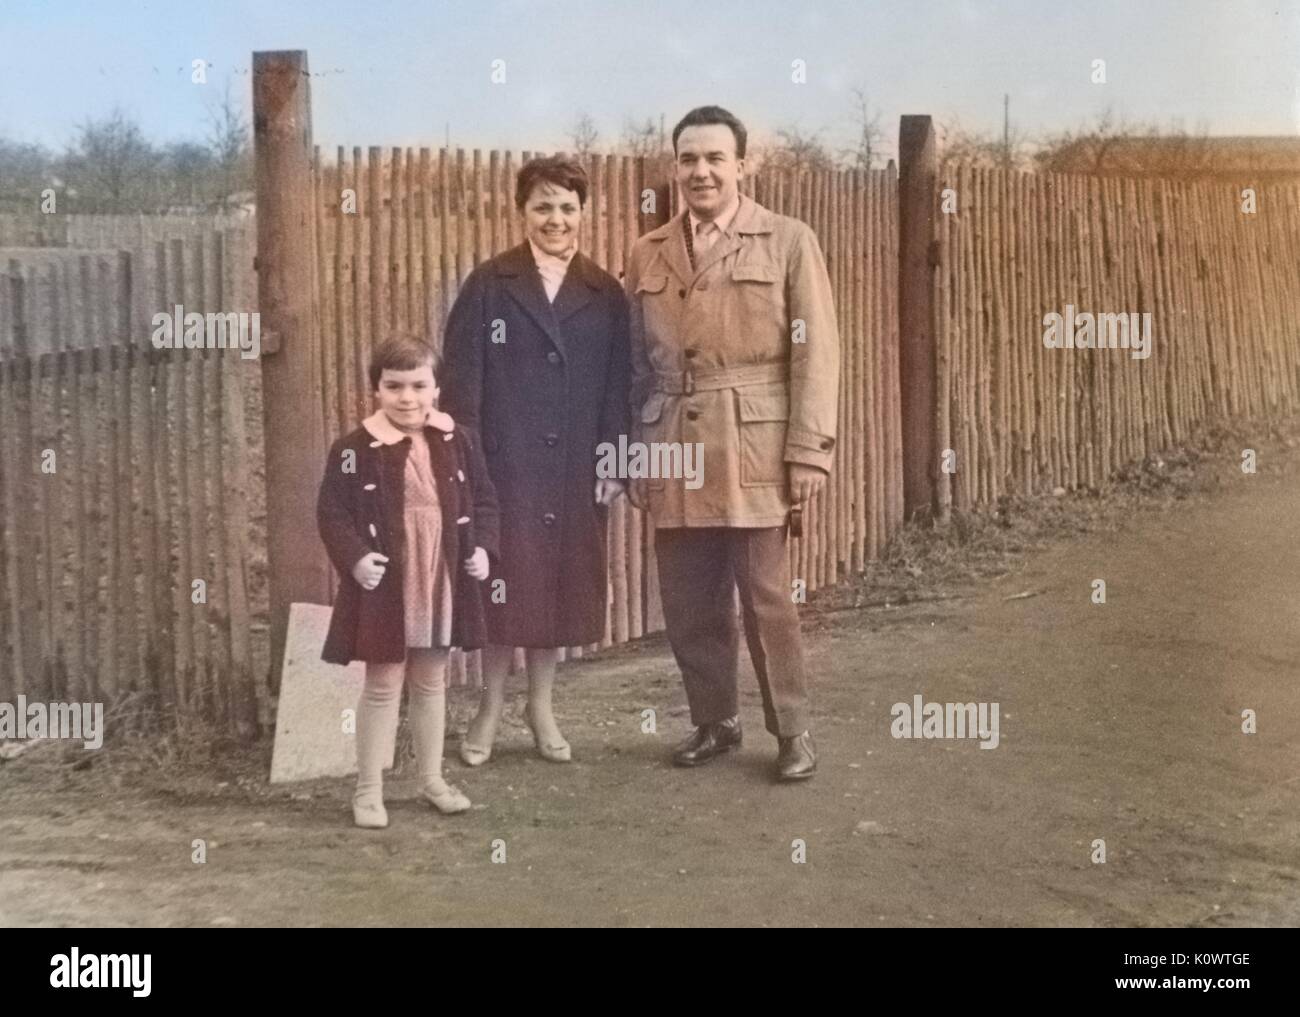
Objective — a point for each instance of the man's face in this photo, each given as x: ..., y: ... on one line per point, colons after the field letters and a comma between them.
x: 708, y: 171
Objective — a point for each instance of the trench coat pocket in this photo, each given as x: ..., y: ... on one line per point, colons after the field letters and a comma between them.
x: 764, y: 417
x: 756, y: 283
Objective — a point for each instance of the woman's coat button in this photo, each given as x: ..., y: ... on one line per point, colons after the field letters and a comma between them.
x: 460, y: 475
x: 368, y: 487
x: 373, y: 531
x: 447, y: 436
x: 462, y: 520
x: 375, y: 444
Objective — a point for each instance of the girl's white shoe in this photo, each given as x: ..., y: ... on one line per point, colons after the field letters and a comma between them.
x: 369, y: 813
x: 446, y: 798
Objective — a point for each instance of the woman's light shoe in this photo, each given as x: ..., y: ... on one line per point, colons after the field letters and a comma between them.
x: 471, y: 755
x: 446, y: 798
x: 369, y: 813
x: 558, y: 753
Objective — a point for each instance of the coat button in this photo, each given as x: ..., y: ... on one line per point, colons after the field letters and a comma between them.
x: 552, y: 440
x: 553, y: 357
x: 692, y: 414
x: 368, y: 487
x: 827, y: 443
x: 681, y: 293
x: 690, y: 353
x: 549, y: 519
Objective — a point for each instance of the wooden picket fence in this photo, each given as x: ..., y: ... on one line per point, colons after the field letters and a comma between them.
x: 1222, y: 285
x: 126, y: 474
x: 126, y: 481
x: 421, y: 221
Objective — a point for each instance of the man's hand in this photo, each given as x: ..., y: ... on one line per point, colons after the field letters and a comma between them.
x: 477, y: 565
x: 608, y: 489
x: 803, y: 481
x: 369, y: 570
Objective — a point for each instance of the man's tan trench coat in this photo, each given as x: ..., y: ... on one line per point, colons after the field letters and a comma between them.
x: 742, y: 356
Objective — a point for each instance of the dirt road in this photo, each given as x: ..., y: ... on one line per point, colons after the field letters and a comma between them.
x: 1120, y: 722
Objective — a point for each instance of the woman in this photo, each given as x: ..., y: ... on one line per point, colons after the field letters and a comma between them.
x: 536, y: 351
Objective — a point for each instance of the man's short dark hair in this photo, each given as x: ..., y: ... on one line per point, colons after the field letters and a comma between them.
x: 561, y: 170
x: 703, y: 116
x: 402, y: 352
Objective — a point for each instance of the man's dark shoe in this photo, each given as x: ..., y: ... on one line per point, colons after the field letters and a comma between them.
x: 707, y: 741
x: 796, y: 759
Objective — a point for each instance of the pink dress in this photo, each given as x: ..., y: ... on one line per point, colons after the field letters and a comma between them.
x: 426, y: 595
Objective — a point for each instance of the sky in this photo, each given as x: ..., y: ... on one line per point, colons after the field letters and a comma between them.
x: 419, y: 72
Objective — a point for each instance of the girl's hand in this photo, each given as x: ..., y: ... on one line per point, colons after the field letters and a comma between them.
x: 608, y: 489
x: 477, y: 566
x: 369, y: 570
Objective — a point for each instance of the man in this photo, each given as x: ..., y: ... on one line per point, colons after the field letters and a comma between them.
x: 734, y: 346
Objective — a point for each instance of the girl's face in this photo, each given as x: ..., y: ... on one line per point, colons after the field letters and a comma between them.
x: 407, y: 396
x: 552, y: 216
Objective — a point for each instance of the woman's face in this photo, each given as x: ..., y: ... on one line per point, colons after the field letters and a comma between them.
x: 552, y: 216
x: 407, y: 396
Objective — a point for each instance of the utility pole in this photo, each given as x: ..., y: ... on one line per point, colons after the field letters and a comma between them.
x: 1006, y: 129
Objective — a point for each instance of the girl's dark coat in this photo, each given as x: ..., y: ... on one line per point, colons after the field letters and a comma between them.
x: 544, y: 384
x: 362, y: 511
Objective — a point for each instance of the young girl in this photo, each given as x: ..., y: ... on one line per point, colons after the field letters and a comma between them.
x: 409, y: 517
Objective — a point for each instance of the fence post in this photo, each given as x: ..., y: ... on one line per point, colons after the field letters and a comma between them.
x: 918, y: 169
x: 287, y: 301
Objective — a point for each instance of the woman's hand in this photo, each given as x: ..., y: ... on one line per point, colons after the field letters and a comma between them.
x: 608, y: 490
x: 369, y: 570
x: 477, y: 564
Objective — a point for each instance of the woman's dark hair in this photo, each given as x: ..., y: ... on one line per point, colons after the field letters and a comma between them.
x: 560, y: 170
x: 402, y: 352
x: 703, y: 116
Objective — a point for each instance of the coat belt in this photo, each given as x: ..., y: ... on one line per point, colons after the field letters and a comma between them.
x: 711, y: 379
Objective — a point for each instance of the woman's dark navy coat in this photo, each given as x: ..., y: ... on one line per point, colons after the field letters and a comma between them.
x: 544, y: 384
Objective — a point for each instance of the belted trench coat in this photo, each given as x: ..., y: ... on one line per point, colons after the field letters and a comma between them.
x: 741, y: 355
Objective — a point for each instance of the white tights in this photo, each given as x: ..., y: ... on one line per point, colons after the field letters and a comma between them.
x: 377, y: 712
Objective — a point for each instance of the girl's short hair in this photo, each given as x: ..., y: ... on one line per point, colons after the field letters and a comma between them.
x: 402, y: 352
x: 560, y: 170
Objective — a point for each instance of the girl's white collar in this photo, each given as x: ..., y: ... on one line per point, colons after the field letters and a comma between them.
x: 384, y: 432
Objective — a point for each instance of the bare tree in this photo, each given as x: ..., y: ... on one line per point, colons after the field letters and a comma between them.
x: 25, y: 170
x: 795, y: 150
x: 1114, y: 147
x: 111, y: 163
x: 643, y: 138
x: 228, y: 141
x: 869, y: 135
x: 981, y: 148
x: 583, y: 135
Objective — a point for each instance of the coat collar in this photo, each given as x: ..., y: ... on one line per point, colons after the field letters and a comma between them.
x: 524, y: 283
x: 750, y: 219
x: 383, y: 431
